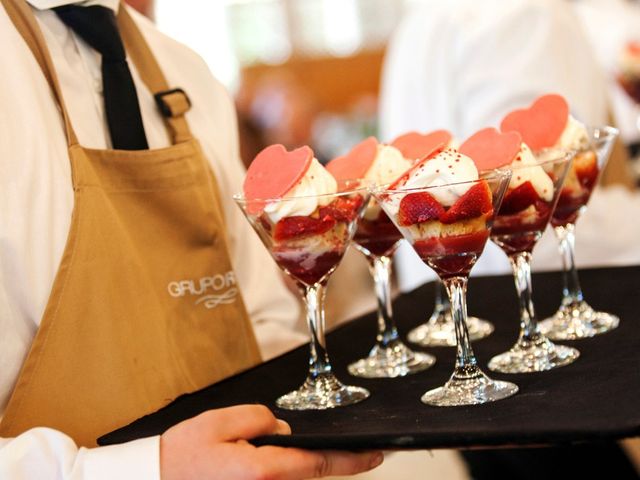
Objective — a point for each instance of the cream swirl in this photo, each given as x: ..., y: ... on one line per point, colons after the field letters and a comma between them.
x: 302, y: 199
x: 527, y: 169
x: 387, y: 166
x: 449, y: 169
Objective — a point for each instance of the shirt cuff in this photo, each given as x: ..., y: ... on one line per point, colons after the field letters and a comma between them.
x: 138, y: 459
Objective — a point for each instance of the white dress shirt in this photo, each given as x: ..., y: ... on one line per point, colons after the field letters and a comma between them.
x: 36, y: 200
x: 464, y: 64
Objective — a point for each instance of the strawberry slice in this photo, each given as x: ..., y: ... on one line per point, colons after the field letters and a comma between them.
x: 475, y: 202
x: 299, y: 226
x: 417, y: 208
x: 518, y: 199
x: 342, y: 209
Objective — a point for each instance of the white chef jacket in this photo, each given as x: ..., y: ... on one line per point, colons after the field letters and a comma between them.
x: 462, y: 65
x: 610, y: 25
x: 36, y: 201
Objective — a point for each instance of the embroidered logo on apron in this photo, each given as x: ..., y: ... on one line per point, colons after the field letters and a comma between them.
x: 212, y: 291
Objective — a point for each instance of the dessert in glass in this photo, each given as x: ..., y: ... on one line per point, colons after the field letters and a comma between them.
x: 575, y: 318
x: 629, y: 71
x: 522, y: 218
x: 377, y: 238
x: 439, y: 329
x: 306, y: 221
x: 445, y: 210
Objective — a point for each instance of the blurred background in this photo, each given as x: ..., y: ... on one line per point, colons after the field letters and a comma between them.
x: 301, y: 72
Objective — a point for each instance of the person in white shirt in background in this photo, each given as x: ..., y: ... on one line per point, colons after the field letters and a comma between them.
x: 610, y: 25
x: 462, y: 65
x: 36, y: 201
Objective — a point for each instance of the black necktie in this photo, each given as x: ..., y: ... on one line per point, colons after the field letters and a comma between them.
x: 97, y: 26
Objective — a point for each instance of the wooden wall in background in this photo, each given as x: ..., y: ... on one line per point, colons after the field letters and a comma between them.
x: 334, y: 82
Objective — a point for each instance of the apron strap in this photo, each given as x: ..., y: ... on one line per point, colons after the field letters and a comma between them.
x: 25, y: 22
x: 174, y: 103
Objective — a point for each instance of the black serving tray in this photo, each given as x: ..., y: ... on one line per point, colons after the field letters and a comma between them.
x: 594, y: 399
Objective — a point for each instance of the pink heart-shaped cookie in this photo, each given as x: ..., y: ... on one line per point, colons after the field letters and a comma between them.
x: 490, y: 149
x: 273, y: 173
x: 415, y: 146
x: 354, y: 164
x: 541, y: 124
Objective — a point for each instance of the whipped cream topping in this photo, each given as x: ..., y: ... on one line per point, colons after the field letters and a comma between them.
x: 449, y: 167
x: 387, y: 166
x: 527, y: 169
x: 574, y: 136
x: 304, y: 200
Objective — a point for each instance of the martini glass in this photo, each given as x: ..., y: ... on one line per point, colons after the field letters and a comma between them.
x: 439, y: 330
x: 377, y: 238
x: 451, y: 249
x: 576, y: 319
x: 308, y: 248
x: 518, y: 226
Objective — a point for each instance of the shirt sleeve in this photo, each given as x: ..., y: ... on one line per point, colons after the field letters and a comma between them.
x: 273, y: 309
x: 45, y: 453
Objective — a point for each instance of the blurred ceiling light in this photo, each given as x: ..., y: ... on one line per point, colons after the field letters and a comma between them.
x: 342, y: 32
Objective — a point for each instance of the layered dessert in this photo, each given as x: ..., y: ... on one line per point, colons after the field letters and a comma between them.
x: 629, y: 67
x: 527, y: 204
x: 550, y: 130
x: 294, y: 204
x: 379, y: 164
x: 448, y: 224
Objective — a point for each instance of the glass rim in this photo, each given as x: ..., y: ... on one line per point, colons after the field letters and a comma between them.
x: 608, y: 130
x: 562, y: 156
x: 485, y: 175
x: 239, y: 197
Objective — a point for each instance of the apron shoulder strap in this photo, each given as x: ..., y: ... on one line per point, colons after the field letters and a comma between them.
x: 174, y: 103
x: 23, y: 19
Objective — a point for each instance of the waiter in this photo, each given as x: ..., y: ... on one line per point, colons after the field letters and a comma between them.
x: 123, y: 261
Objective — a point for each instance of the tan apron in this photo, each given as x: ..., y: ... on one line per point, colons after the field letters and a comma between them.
x: 144, y: 306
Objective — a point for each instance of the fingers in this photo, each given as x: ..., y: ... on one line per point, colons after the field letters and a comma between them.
x: 296, y: 464
x: 244, y: 422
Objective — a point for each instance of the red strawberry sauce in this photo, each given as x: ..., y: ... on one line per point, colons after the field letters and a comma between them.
x: 452, y: 256
x: 520, y: 232
x: 305, y: 266
x: 379, y: 236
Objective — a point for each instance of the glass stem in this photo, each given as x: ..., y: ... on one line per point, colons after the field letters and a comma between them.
x: 521, y: 265
x: 319, y: 359
x: 442, y: 304
x: 380, y: 268
x: 466, y: 363
x: 571, y: 291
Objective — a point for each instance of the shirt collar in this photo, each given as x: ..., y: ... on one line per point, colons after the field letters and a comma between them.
x: 47, y: 4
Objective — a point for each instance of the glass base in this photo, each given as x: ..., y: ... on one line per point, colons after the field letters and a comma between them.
x: 469, y: 390
x: 577, y: 320
x: 439, y: 331
x: 533, y: 356
x: 321, y: 393
x: 395, y: 360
